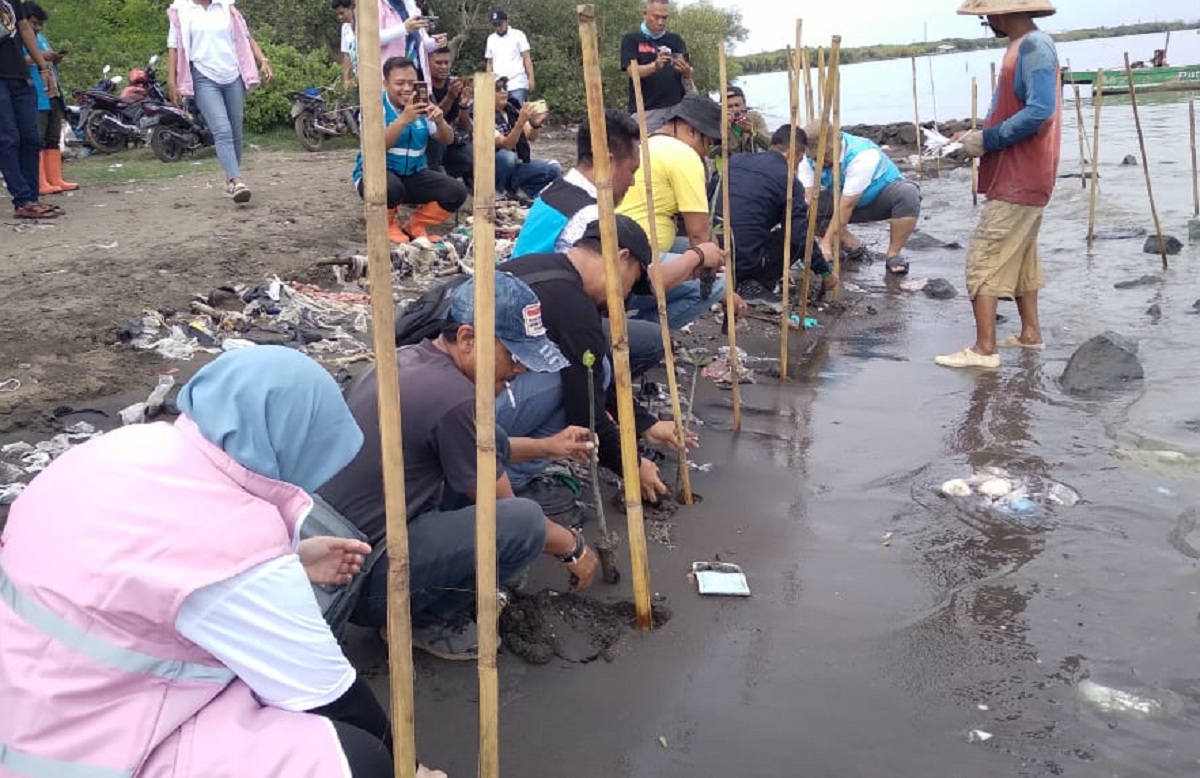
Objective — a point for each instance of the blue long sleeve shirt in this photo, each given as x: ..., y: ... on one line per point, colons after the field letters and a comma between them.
x: 1036, y: 85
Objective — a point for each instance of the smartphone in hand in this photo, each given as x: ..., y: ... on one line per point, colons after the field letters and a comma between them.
x: 421, y: 93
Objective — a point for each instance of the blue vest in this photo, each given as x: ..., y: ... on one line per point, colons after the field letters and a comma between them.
x: 549, y: 214
x: 885, y: 173
x: 406, y: 157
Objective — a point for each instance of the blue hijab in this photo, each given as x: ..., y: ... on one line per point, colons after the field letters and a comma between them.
x: 276, y: 412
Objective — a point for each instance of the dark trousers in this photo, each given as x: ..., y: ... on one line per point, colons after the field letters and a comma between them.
x: 20, y: 146
x: 766, y: 266
x: 50, y: 125
x: 363, y: 730
x: 428, y: 186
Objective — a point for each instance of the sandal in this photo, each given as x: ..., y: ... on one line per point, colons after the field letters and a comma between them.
x: 896, y: 266
x: 36, y: 211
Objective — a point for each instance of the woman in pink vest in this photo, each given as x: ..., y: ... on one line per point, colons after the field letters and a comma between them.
x: 156, y: 605
x: 211, y: 57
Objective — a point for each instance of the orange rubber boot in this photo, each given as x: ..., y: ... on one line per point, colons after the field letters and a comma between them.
x: 44, y: 185
x: 395, y: 233
x: 52, y: 158
x: 427, y: 215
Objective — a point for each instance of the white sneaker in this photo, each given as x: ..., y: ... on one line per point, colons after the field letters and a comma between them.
x: 239, y: 192
x: 968, y: 357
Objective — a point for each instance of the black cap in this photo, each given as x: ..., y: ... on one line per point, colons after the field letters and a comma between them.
x: 702, y: 113
x: 499, y: 16
x: 631, y: 237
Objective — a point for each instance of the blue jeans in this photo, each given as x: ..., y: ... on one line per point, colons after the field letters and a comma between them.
x: 441, y: 550
x: 224, y: 108
x: 520, y: 95
x: 530, y: 177
x: 684, y: 304
x: 20, y: 145
x: 534, y: 411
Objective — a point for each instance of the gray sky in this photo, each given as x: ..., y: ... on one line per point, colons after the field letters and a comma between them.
x: 770, y: 22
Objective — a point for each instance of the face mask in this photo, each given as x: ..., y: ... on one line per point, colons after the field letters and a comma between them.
x: 650, y: 35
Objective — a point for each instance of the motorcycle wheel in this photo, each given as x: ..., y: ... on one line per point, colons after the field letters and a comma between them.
x: 101, y: 137
x: 310, y: 137
x: 166, y: 145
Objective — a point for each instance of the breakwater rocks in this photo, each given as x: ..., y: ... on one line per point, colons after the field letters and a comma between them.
x: 899, y: 139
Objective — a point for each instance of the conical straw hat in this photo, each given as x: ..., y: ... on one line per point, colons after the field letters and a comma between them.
x: 999, y: 7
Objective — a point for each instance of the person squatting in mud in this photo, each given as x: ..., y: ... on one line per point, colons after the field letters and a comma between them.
x: 156, y: 598
x: 437, y: 393
x: 411, y: 122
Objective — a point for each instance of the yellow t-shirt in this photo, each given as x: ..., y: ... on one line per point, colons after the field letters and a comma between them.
x: 678, y: 178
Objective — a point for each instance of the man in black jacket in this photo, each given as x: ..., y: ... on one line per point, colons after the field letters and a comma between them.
x: 572, y: 291
x: 758, y: 202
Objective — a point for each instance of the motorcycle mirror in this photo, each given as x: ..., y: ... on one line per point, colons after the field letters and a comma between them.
x: 153, y: 60
x: 106, y: 69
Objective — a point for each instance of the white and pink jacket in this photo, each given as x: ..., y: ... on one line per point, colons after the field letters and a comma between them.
x: 99, y: 553
x: 241, y: 43
x: 389, y: 18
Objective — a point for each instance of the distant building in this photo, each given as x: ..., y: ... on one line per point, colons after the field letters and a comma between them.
x: 946, y: 48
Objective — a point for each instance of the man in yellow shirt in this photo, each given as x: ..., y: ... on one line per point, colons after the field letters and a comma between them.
x: 677, y: 152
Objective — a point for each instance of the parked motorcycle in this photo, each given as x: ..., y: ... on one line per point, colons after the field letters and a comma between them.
x: 315, y: 120
x: 174, y: 131
x: 114, y: 122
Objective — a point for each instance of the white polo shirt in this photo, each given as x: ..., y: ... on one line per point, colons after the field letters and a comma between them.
x: 210, y: 40
x: 505, y: 53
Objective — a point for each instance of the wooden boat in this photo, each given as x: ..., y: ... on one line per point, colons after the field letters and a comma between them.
x: 1168, y: 79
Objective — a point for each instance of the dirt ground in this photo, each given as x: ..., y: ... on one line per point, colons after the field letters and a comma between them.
x: 72, y: 283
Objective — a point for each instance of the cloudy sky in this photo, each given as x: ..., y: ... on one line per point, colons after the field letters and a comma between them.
x: 904, y: 21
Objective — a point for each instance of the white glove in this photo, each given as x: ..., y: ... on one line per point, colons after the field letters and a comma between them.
x: 972, y: 144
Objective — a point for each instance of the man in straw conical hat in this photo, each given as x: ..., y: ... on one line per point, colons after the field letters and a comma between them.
x: 1019, y: 148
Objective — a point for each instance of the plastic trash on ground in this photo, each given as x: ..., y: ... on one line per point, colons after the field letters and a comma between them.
x: 720, y: 579
x: 997, y: 488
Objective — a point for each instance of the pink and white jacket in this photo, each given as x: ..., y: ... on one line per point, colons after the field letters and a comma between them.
x: 389, y: 18
x: 241, y: 43
x: 99, y: 553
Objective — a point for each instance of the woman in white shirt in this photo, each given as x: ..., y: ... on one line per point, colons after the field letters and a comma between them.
x: 212, y: 58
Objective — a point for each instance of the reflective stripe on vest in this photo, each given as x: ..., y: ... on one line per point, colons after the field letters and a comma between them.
x: 41, y: 767
x: 885, y: 173
x: 99, y: 650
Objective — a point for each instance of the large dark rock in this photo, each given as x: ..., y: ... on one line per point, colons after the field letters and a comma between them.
x: 940, y: 289
x: 1129, y: 160
x: 1174, y: 245
x: 1120, y: 233
x: 1107, y: 362
x: 1136, y: 282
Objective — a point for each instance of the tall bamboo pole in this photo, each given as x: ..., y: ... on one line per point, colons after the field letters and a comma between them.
x: 660, y: 295
x: 813, y: 199
x: 793, y: 119
x: 639, y: 563
x: 730, y: 248
x: 937, y: 161
x: 974, y: 125
x: 387, y: 377
x: 917, y: 122
x: 820, y: 73
x: 1079, y: 129
x: 1195, y: 174
x: 1097, y: 102
x: 835, y: 75
x: 1137, y: 121
x: 810, y: 110
x: 486, y: 606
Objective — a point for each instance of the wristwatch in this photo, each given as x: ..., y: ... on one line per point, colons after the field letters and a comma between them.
x: 576, y: 553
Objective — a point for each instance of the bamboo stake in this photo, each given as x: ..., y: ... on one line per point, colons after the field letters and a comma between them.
x: 1195, y: 175
x: 387, y: 376
x: 1079, y: 129
x: 660, y: 295
x: 793, y: 119
x: 639, y: 563
x: 486, y: 605
x: 937, y: 161
x: 993, y: 79
x: 814, y: 198
x: 1097, y: 102
x: 820, y: 73
x: 1137, y: 121
x: 974, y: 125
x: 809, y: 109
x: 730, y: 264
x: 835, y: 75
x: 917, y: 123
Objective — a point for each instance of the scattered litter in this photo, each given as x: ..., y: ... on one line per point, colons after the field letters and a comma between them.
x: 979, y: 736
x: 233, y: 344
x: 102, y: 246
x: 1113, y: 700
x: 956, y: 487
x: 938, y: 145
x: 809, y: 322
x: 1017, y: 496
x: 662, y: 741
x: 721, y: 372
x: 913, y: 284
x: 887, y: 539
x: 702, y: 468
x: 10, y: 385
x: 981, y: 706
x: 10, y: 492
x: 720, y: 579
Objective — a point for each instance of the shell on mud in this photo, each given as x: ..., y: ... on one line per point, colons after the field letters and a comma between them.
x: 995, y: 487
x: 956, y: 487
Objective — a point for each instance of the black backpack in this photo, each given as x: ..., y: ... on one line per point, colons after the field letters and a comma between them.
x: 422, y: 318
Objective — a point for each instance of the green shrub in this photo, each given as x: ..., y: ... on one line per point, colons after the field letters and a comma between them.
x: 268, y: 106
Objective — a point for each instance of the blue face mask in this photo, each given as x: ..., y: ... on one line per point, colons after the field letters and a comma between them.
x: 276, y: 412
x: 650, y: 35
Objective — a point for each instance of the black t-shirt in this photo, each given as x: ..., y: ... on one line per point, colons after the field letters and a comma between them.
x: 572, y: 321
x: 504, y: 125
x: 12, y: 55
x: 437, y: 418
x: 663, y: 88
x: 440, y: 94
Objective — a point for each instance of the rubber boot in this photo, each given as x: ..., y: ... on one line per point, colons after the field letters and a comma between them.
x: 44, y: 185
x: 53, y: 162
x: 427, y: 215
x: 395, y: 233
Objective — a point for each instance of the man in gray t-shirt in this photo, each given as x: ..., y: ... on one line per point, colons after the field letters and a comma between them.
x: 437, y: 400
